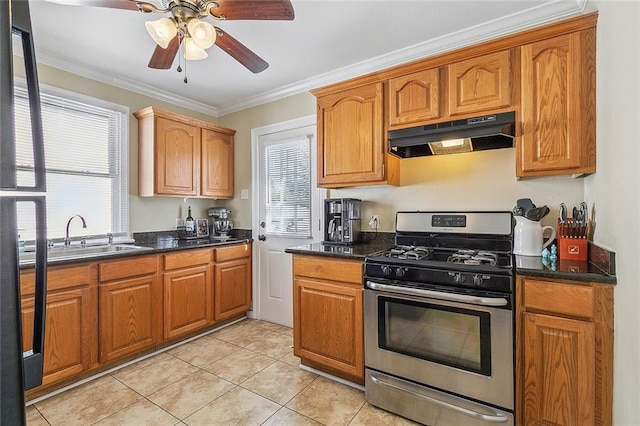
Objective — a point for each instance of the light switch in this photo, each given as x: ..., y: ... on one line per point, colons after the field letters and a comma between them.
x: 244, y: 194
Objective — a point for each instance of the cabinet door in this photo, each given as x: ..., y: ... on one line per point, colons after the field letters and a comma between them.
x: 480, y: 84
x: 351, y: 143
x: 328, y: 327
x: 177, y: 158
x: 232, y: 288
x: 216, y: 165
x: 188, y: 300
x: 67, y: 346
x: 414, y: 97
x: 558, y: 101
x: 558, y: 368
x: 130, y: 315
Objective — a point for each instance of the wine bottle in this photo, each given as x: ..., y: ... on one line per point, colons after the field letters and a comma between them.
x: 189, y: 223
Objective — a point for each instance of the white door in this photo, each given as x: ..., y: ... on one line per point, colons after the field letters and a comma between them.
x: 286, y: 210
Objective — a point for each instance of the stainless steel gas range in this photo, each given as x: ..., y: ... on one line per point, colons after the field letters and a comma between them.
x: 438, y: 311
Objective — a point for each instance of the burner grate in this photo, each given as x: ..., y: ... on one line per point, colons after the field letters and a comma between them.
x: 473, y: 257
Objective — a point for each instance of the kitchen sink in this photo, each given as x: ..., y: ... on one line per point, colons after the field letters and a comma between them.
x: 69, y: 253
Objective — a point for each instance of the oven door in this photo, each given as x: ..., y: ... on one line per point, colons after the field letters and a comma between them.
x: 457, y: 343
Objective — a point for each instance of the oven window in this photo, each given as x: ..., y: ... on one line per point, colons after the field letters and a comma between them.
x: 459, y: 338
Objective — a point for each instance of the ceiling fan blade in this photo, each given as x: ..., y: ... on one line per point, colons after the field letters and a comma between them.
x: 240, y: 52
x: 253, y: 9
x: 163, y: 58
x: 113, y: 4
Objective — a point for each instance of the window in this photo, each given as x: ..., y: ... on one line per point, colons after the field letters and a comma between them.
x: 288, y: 191
x: 86, y: 147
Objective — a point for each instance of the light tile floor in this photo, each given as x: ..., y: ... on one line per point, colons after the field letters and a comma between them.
x: 244, y: 374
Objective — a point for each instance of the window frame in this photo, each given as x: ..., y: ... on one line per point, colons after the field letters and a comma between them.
x: 119, y: 167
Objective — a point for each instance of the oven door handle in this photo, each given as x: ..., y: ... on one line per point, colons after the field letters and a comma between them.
x: 453, y: 297
x: 497, y: 418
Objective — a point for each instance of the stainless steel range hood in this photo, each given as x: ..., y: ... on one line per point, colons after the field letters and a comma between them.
x: 472, y: 134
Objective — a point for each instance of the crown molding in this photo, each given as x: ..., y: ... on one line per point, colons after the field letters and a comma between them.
x: 535, y: 16
x: 47, y: 58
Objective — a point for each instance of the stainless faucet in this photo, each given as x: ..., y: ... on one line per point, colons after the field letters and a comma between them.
x: 67, y: 241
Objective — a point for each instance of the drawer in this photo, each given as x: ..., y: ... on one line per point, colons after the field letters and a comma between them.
x: 571, y: 300
x: 186, y: 258
x: 58, y: 278
x: 129, y: 267
x: 235, y: 251
x: 328, y: 268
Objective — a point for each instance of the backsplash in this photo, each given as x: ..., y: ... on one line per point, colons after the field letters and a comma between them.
x: 602, y: 258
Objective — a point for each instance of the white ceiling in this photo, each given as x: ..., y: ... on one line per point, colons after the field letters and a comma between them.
x: 328, y: 41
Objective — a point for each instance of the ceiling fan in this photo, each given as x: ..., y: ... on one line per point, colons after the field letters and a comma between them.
x: 186, y: 26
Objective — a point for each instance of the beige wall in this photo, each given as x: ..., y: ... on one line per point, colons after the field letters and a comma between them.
x: 146, y: 214
x: 243, y: 121
x: 614, y: 189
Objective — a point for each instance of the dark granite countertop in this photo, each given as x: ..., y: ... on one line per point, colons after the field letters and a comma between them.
x: 371, y: 244
x: 562, y: 269
x: 149, y: 247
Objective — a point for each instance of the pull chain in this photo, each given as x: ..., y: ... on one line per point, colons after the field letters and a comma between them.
x: 179, y: 69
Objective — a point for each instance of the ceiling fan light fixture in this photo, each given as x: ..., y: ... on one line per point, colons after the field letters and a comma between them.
x: 192, y: 51
x: 162, y: 31
x: 202, y: 33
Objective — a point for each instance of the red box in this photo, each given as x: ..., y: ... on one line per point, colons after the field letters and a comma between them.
x: 573, y: 248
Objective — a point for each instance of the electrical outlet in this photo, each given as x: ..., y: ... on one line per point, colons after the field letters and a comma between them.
x: 179, y: 222
x: 374, y: 221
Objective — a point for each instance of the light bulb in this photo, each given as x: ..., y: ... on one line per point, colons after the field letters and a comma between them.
x: 452, y: 142
x: 162, y: 31
x: 202, y: 33
x: 191, y: 50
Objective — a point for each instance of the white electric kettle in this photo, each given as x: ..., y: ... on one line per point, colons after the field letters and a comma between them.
x: 528, y: 238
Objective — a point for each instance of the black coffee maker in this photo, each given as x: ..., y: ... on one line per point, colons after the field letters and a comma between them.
x: 342, y: 217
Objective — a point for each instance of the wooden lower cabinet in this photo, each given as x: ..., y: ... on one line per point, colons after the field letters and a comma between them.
x: 70, y: 338
x: 130, y: 306
x: 188, y: 291
x: 565, y: 352
x: 327, y: 315
x: 232, y: 281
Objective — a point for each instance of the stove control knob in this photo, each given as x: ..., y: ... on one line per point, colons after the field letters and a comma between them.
x: 458, y: 278
x: 386, y: 270
x: 400, y: 272
x: 477, y: 280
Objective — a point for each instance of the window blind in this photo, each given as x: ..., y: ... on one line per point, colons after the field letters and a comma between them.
x: 288, y: 188
x: 86, y: 147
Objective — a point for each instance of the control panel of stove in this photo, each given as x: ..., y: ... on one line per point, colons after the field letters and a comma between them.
x: 449, y: 221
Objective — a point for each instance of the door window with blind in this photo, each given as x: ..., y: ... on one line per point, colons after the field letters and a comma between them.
x: 86, y: 147
x: 288, y: 188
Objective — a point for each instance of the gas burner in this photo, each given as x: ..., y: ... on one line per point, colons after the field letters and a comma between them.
x: 409, y: 252
x: 473, y: 257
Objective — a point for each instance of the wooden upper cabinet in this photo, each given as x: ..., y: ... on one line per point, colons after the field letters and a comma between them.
x: 217, y: 164
x: 558, y: 106
x: 352, y: 138
x: 180, y: 156
x: 414, y: 97
x: 177, y: 156
x: 480, y: 84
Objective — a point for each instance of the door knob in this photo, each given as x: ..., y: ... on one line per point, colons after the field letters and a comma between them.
x: 262, y: 225
x: 262, y: 237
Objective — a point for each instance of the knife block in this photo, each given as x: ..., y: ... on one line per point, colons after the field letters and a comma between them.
x: 573, y: 248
